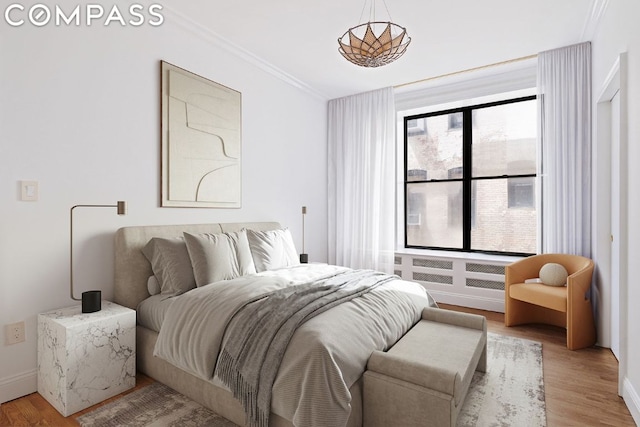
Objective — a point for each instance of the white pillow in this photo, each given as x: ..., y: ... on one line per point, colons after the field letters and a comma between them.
x: 553, y: 274
x: 272, y: 249
x: 153, y: 286
x: 221, y: 256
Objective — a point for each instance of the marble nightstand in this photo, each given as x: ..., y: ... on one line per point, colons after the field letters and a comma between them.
x: 85, y: 358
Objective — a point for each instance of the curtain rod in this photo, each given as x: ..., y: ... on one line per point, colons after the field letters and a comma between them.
x: 495, y: 64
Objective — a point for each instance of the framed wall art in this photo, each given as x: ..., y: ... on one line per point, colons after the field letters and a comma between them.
x: 201, y: 141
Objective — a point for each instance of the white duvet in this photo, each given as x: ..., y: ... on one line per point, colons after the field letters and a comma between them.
x: 326, y: 355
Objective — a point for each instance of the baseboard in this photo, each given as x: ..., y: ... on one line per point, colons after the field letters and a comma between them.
x: 632, y: 400
x: 18, y: 385
x: 471, y: 301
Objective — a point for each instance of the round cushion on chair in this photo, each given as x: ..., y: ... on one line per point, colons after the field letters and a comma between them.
x: 553, y: 274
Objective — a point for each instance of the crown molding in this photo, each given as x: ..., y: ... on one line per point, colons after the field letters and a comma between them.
x: 220, y: 41
x: 598, y: 9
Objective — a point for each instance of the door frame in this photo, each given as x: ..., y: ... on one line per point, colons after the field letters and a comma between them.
x: 615, y: 82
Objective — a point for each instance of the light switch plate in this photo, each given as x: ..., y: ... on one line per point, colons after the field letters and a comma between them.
x: 29, y: 191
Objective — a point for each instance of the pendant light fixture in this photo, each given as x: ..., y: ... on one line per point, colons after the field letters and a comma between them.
x: 374, y: 43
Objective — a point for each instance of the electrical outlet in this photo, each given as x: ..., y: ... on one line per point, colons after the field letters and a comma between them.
x: 14, y: 333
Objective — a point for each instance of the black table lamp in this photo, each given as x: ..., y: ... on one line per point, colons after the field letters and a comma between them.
x: 304, y: 258
x: 91, y: 300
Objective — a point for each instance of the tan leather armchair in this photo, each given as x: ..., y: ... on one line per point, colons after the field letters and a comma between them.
x: 565, y: 306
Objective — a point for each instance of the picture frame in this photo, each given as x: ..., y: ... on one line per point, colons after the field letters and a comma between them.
x: 201, y: 129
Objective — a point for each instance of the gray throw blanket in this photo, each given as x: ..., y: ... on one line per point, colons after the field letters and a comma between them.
x: 258, y: 333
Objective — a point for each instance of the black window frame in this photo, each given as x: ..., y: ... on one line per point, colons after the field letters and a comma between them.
x: 468, y: 207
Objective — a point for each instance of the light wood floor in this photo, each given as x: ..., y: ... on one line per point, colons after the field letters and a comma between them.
x: 580, y: 386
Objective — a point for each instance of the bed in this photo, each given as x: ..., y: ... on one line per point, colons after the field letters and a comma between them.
x: 133, y: 272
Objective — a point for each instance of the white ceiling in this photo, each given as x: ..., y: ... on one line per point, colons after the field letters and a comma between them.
x: 297, y: 39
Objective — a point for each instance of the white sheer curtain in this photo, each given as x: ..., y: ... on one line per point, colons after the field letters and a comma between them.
x: 361, y: 137
x: 564, y: 97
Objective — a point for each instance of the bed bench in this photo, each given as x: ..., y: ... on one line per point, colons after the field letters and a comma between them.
x: 413, y: 384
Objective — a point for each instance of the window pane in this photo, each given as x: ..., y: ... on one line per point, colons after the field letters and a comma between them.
x: 497, y: 226
x: 504, y: 140
x: 433, y: 147
x: 434, y: 214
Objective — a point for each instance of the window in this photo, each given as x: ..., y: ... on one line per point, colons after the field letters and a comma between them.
x: 413, y: 214
x: 415, y: 126
x: 472, y: 189
x: 521, y: 193
x: 455, y: 121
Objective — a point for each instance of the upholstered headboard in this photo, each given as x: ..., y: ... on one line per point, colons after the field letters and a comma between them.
x: 133, y: 269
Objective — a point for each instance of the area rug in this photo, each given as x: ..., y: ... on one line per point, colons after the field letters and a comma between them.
x: 510, y: 393
x: 155, y: 405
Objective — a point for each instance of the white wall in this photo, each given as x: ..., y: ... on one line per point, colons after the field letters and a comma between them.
x: 80, y: 113
x: 618, y: 32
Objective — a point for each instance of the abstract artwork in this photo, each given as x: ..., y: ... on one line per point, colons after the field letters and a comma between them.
x: 201, y: 141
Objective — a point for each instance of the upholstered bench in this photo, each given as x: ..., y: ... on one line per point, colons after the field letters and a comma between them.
x: 423, y: 379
